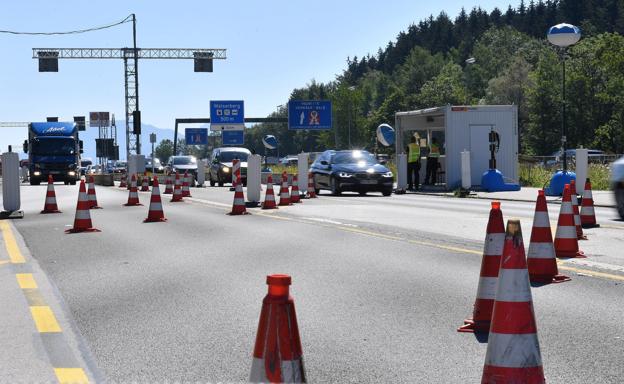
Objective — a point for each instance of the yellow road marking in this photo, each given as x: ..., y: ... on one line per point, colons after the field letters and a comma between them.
x: 71, y: 376
x: 26, y: 281
x: 45, y: 321
x: 4, y: 262
x: 592, y: 273
x: 11, y: 245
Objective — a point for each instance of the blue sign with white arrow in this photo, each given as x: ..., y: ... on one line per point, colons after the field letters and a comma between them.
x: 309, y: 114
x: 196, y: 136
x: 233, y: 137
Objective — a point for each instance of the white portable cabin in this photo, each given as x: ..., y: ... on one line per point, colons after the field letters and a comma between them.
x: 458, y: 129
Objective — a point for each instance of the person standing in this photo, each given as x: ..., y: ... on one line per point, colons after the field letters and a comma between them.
x: 413, y: 165
x: 432, y: 162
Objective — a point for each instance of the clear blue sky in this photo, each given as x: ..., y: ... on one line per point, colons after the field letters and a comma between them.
x: 272, y: 47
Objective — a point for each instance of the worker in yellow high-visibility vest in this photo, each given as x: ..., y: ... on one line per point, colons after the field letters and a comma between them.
x: 413, y: 165
x: 432, y: 162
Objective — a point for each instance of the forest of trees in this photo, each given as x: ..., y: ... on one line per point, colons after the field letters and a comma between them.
x: 514, y: 64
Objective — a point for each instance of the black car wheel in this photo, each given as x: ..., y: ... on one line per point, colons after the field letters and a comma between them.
x: 333, y: 186
x: 316, y: 188
x: 362, y: 193
x: 387, y: 192
x: 212, y: 182
x: 619, y: 199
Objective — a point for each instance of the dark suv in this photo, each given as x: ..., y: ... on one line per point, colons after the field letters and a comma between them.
x: 221, y: 164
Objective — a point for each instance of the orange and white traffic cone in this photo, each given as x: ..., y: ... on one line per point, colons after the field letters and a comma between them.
x: 513, y: 352
x: 91, y: 195
x: 284, y: 194
x: 50, y: 201
x: 133, y: 195
x: 155, y: 212
x: 82, y: 221
x: 588, y: 216
x: 168, y: 185
x: 575, y: 208
x: 269, y: 197
x: 186, y: 192
x: 177, y: 191
x: 238, y: 207
x: 123, y: 183
x: 311, y: 189
x: 541, y: 258
x: 566, y: 241
x: 278, y: 356
x: 145, y: 183
x: 294, y: 191
x: 486, y: 291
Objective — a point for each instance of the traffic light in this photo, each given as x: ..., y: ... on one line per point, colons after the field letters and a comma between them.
x: 136, y: 122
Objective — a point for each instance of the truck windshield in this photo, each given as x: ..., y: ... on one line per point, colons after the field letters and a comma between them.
x: 54, y: 146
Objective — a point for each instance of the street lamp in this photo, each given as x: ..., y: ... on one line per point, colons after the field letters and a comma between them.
x: 562, y: 35
x: 469, y: 61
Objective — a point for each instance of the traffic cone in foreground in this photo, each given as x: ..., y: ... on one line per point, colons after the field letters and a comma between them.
x: 50, y: 201
x: 575, y: 208
x: 238, y: 207
x: 269, y: 197
x: 168, y: 185
x: 294, y: 191
x: 91, y: 195
x: 82, y: 221
x: 513, y: 352
x: 284, y: 195
x: 177, y: 191
x: 278, y: 356
x: 566, y: 241
x: 588, y: 216
x: 144, y: 183
x: 311, y: 191
x: 123, y: 182
x: 541, y: 258
x: 186, y: 192
x: 486, y: 291
x: 155, y: 212
x: 133, y: 196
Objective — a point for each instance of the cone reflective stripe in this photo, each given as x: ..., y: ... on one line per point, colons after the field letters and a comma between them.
x: 575, y: 208
x: 186, y: 192
x: 177, y: 192
x: 168, y: 185
x: 588, y: 216
x: 278, y: 356
x: 238, y: 207
x: 284, y: 195
x: 513, y: 353
x: 123, y: 183
x: 486, y: 290
x: 566, y: 240
x: 236, y: 171
x: 82, y: 221
x: 294, y: 191
x: 155, y: 212
x: 145, y: 183
x: 133, y: 196
x: 50, y: 201
x: 91, y: 195
x: 541, y: 259
x: 311, y: 192
x: 269, y: 197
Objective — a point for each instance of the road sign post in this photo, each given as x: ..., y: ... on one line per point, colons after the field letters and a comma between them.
x: 310, y: 114
x: 152, y: 141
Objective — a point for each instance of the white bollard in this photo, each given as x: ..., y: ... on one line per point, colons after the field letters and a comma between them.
x: 201, y: 172
x: 254, y: 178
x: 582, y: 160
x: 466, y: 179
x: 402, y: 172
x: 302, y: 170
x: 10, y: 182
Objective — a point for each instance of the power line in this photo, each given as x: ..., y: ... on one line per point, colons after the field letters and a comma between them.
x: 127, y: 19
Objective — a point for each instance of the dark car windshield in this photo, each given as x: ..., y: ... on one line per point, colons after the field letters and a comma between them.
x: 353, y: 157
x: 186, y: 160
x: 228, y: 156
x: 54, y: 147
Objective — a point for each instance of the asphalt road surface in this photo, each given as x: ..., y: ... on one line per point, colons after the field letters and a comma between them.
x: 380, y: 286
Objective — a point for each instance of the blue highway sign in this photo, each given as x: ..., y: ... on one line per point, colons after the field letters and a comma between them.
x: 225, y: 114
x: 233, y: 137
x: 196, y: 136
x: 309, y: 114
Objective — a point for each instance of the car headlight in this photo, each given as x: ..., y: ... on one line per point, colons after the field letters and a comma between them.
x: 345, y: 174
x: 225, y: 170
x: 71, y: 173
x: 387, y: 174
x: 37, y: 173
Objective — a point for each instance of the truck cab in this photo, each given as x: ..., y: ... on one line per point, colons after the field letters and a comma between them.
x: 53, y: 149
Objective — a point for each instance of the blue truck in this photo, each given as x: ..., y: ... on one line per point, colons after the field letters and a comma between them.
x: 53, y: 149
